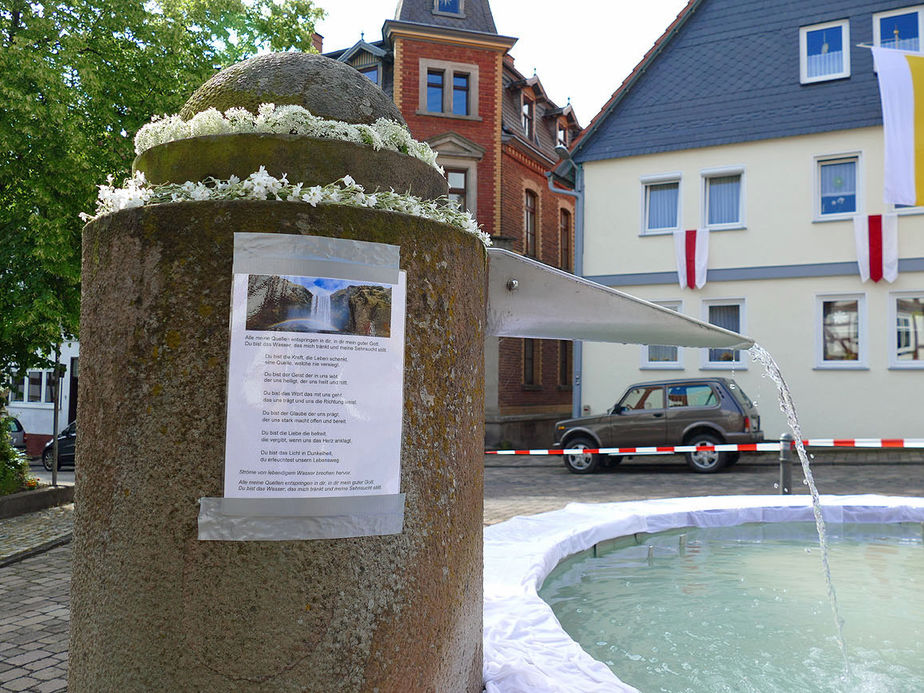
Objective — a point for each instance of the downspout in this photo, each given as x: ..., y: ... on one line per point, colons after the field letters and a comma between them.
x: 578, y: 195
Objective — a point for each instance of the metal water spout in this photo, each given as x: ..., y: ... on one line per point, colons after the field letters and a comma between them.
x: 529, y: 299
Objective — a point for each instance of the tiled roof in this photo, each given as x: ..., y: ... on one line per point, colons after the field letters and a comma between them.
x: 728, y: 71
x: 476, y: 15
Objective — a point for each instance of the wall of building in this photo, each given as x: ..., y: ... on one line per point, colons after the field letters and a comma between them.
x: 483, y: 130
x: 37, y: 418
x: 780, y: 313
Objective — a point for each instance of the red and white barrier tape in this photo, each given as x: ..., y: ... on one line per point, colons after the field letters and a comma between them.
x: 741, y: 447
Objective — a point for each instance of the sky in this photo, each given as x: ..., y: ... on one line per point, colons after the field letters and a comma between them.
x: 580, y: 49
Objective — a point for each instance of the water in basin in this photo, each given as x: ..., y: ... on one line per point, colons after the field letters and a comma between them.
x: 746, y: 608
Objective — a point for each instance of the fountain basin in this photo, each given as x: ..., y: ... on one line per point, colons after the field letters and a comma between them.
x: 524, y: 646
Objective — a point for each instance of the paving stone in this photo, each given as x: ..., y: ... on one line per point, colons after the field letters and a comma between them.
x: 24, y: 683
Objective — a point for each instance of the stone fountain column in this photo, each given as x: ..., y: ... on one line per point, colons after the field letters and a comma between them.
x: 154, y: 608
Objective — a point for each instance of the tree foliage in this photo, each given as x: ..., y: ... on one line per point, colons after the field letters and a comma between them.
x: 77, y: 80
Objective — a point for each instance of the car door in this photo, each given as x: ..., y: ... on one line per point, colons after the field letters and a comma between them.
x: 688, y: 403
x: 637, y: 420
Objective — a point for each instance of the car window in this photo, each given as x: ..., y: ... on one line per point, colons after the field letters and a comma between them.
x: 647, y: 397
x: 691, y: 396
x: 740, y: 395
x: 14, y: 425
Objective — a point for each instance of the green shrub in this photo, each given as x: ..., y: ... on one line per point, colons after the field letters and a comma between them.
x: 14, y: 467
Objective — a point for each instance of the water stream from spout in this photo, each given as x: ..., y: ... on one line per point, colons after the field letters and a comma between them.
x: 788, y: 407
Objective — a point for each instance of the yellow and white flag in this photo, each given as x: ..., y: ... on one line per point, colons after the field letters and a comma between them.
x: 901, y: 86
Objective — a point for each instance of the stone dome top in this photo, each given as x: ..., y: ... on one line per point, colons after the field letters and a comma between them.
x: 326, y: 87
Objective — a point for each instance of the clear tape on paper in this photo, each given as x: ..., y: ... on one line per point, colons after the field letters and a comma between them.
x: 284, y: 519
x: 274, y: 253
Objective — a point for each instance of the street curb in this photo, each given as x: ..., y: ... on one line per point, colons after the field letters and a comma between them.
x: 31, y: 501
x: 36, y: 550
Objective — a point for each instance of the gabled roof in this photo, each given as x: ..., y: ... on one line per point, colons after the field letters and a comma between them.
x: 361, y: 45
x: 475, y: 16
x: 727, y: 71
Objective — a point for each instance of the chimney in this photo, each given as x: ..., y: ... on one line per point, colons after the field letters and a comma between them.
x: 317, y: 42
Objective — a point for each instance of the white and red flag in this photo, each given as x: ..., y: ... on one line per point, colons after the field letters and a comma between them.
x: 877, y: 246
x: 692, y: 249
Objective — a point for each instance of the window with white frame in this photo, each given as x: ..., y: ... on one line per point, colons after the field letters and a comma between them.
x: 841, y: 336
x: 660, y: 204
x: 907, y: 338
x: 836, y: 187
x: 728, y: 314
x: 666, y: 357
x: 36, y: 387
x: 824, y: 51
x: 448, y: 89
x: 723, y: 198
x: 900, y: 29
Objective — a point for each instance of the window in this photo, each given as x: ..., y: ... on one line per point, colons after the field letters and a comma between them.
x: 564, y: 363
x: 527, y: 112
x: 435, y: 91
x: 908, y: 335
x: 660, y: 204
x: 723, y: 200
x: 453, y: 7
x: 900, y: 29
x: 841, y: 331
x: 730, y: 316
x: 460, y: 94
x: 448, y: 89
x: 564, y: 240
x: 824, y: 51
x: 645, y: 397
x: 530, y: 362
x: 836, y: 195
x: 691, y: 396
x: 562, y: 138
x: 37, y: 387
x: 663, y: 357
x: 457, y: 188
x: 529, y: 210
x: 371, y: 72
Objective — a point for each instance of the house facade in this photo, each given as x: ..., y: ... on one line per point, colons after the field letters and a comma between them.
x: 761, y: 123
x: 495, y: 132
x: 32, y: 398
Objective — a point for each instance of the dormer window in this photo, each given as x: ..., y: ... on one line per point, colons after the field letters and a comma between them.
x: 453, y: 7
x: 563, y: 133
x: 528, y: 117
x: 371, y: 72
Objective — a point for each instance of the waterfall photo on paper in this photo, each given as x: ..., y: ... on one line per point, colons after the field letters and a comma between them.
x: 318, y: 304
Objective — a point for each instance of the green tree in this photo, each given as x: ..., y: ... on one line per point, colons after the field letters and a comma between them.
x: 77, y: 80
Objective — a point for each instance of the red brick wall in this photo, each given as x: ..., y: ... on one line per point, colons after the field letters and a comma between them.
x: 518, y: 174
x: 484, y: 132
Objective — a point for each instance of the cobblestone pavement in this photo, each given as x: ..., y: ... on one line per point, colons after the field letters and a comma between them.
x: 35, y: 591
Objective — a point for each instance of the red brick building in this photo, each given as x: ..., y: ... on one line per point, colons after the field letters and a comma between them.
x: 495, y: 130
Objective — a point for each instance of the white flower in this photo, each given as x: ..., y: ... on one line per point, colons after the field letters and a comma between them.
x: 289, y: 119
x: 313, y: 196
x: 259, y: 185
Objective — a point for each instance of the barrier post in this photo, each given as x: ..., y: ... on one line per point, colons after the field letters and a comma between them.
x: 786, y: 441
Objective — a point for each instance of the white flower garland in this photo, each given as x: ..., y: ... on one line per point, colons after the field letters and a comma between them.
x: 283, y: 120
x: 137, y: 192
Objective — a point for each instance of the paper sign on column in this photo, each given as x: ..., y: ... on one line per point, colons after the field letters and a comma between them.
x: 315, y: 394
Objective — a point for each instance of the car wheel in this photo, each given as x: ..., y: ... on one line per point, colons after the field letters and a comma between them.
x: 46, y: 459
x: 706, y: 461
x: 583, y: 462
